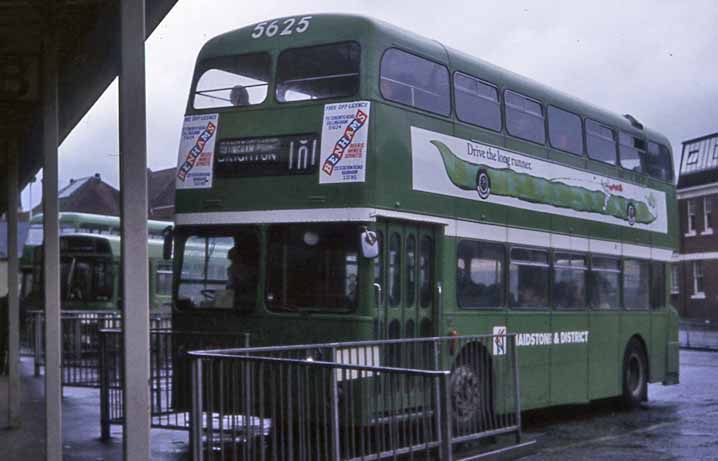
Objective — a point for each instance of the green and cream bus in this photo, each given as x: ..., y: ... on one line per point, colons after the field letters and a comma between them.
x: 498, y: 205
x: 90, y: 274
x: 71, y: 222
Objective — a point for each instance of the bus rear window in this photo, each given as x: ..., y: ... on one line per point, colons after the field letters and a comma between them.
x: 414, y: 81
x: 318, y: 72
x: 233, y: 81
x: 658, y: 162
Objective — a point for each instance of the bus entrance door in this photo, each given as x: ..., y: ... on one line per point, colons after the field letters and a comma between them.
x: 404, y: 275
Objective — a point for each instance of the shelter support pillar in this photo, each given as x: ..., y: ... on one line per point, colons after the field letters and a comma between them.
x: 12, y: 284
x: 133, y: 193
x: 51, y: 258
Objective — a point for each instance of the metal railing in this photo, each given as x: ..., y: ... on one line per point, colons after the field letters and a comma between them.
x: 170, y: 374
x: 367, y: 400
x: 698, y: 334
x: 80, y: 341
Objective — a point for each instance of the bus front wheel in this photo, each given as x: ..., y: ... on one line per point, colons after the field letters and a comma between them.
x: 471, y: 393
x: 635, y: 374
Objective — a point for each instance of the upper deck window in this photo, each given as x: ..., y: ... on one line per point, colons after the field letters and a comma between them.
x: 477, y: 102
x: 658, y: 162
x: 414, y: 81
x: 233, y: 81
x: 318, y: 72
x: 632, y: 149
x: 524, y: 117
x: 564, y: 130
x: 600, y: 142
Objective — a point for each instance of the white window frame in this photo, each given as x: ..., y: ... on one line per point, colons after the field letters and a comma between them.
x: 675, y: 279
x: 707, y: 210
x: 690, y: 211
x: 698, y: 269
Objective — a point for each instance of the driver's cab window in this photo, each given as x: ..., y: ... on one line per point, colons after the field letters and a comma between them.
x: 219, y: 271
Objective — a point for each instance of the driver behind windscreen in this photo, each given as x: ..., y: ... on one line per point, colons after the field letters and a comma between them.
x: 243, y: 269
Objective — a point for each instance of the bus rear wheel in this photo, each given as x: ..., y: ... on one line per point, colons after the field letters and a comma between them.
x: 635, y: 375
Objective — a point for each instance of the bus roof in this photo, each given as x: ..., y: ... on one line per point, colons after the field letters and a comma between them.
x: 72, y: 217
x: 329, y: 28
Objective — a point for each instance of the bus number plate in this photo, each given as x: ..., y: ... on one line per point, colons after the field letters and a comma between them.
x: 270, y: 156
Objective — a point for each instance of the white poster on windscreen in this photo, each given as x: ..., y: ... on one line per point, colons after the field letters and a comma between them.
x: 345, y: 132
x: 196, y: 151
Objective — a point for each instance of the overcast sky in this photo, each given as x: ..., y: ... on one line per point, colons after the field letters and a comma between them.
x: 657, y: 60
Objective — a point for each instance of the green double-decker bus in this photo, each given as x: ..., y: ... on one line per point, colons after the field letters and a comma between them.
x: 498, y: 205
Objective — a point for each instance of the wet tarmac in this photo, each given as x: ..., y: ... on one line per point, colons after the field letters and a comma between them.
x: 678, y: 422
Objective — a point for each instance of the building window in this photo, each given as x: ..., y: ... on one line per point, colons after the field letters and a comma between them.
x: 675, y: 279
x: 691, y: 205
x: 707, y: 206
x: 692, y: 157
x: 698, y: 279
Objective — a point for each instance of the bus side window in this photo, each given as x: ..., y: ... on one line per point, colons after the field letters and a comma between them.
x: 415, y: 81
x: 480, y: 274
x: 524, y: 117
x: 600, y: 142
x: 636, y: 278
x: 658, y: 285
x: 529, y: 278
x: 605, y: 282
x: 564, y: 130
x: 477, y: 102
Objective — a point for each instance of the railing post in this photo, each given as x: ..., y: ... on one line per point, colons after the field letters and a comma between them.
x: 517, y: 388
x: 196, y: 416
x: 334, y: 417
x: 37, y: 333
x: 443, y: 402
x: 104, y: 389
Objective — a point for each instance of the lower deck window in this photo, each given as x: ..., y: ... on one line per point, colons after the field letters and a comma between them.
x: 636, y: 279
x: 528, y: 278
x: 480, y: 274
x: 605, y: 279
x: 569, y: 281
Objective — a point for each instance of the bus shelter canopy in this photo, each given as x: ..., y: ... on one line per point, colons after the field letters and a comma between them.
x: 87, y: 36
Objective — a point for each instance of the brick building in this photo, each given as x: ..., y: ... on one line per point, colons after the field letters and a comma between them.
x: 695, y: 271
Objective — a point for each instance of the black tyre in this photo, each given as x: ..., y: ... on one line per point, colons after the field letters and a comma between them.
x: 631, y: 213
x: 471, y: 392
x: 483, y: 184
x: 635, y: 375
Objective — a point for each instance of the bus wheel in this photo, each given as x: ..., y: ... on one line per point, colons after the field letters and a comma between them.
x: 483, y: 184
x: 635, y: 374
x: 471, y: 398
x: 631, y: 213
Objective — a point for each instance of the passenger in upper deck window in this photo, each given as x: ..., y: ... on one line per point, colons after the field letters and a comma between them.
x: 239, y: 96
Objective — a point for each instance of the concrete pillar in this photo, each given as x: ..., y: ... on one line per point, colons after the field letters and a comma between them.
x: 133, y: 193
x: 12, y: 283
x: 51, y: 259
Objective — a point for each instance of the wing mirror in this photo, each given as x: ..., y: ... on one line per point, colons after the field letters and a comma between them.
x: 167, y: 244
x: 369, y: 244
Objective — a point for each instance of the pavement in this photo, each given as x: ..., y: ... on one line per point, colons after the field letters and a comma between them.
x: 678, y: 422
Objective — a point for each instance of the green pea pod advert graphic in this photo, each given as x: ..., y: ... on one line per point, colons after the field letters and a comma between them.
x: 504, y: 181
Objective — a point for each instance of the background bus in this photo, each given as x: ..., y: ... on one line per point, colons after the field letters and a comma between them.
x: 72, y: 223
x: 500, y: 205
x: 90, y: 274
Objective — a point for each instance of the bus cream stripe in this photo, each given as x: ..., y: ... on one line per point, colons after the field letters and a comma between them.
x: 452, y: 228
